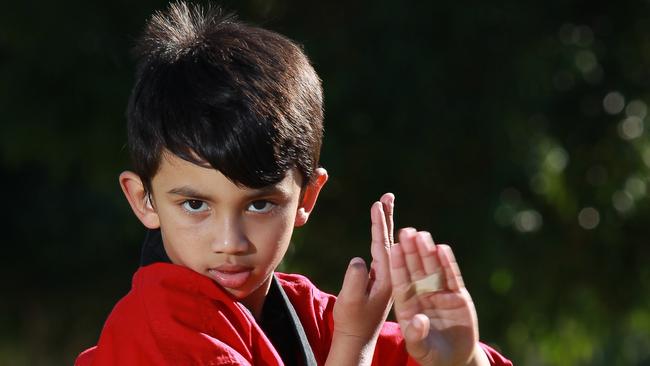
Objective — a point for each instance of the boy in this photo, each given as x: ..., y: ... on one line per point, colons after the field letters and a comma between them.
x: 225, y: 129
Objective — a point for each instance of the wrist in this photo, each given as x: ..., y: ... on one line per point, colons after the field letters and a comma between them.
x: 352, y: 342
x: 348, y: 349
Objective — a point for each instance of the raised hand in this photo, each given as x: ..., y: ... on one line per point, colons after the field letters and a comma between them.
x: 440, y: 328
x: 364, y: 300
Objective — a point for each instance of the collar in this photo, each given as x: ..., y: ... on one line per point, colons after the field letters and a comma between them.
x: 279, y: 321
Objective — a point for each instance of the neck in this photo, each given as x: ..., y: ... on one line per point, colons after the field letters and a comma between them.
x: 255, y: 301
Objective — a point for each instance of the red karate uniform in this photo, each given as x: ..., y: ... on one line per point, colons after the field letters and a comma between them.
x: 175, y: 316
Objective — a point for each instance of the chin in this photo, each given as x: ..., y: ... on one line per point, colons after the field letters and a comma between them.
x: 238, y: 294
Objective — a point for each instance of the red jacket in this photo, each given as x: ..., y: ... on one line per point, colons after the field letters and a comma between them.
x: 175, y: 316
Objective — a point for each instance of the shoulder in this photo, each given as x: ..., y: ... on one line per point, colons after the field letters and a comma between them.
x: 174, y: 316
x: 301, y: 289
x: 154, y: 296
x: 125, y: 333
x: 294, y: 281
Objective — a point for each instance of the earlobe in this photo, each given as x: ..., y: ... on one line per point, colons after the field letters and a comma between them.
x: 139, y: 199
x: 301, y: 217
x: 310, y: 196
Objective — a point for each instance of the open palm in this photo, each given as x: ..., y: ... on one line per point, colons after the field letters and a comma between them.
x: 440, y: 328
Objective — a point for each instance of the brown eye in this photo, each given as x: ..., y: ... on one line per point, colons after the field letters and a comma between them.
x: 195, y: 206
x: 260, y: 206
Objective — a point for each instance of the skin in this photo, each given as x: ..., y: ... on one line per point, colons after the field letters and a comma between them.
x: 207, y: 221
x: 365, y: 298
x: 440, y: 328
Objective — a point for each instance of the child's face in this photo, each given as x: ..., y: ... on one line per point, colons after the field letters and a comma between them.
x: 234, y: 235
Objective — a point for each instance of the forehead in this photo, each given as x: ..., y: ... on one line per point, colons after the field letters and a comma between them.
x: 176, y: 175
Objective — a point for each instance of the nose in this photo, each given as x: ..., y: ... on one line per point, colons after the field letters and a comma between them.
x: 229, y: 237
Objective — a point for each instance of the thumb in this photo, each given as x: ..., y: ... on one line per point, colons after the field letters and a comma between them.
x: 415, y: 333
x: 355, y: 281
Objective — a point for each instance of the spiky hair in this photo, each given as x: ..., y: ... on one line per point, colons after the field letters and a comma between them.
x: 181, y: 29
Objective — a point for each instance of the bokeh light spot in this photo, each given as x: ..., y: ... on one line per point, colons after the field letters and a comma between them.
x: 614, y: 102
x: 635, y: 187
x: 622, y: 201
x: 557, y: 159
x: 636, y: 108
x: 586, y: 61
x: 589, y: 218
x: 630, y: 128
x: 528, y: 221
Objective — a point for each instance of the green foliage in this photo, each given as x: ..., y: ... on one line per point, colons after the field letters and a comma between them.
x: 516, y: 131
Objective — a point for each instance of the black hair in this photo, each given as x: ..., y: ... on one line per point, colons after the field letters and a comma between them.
x: 218, y: 92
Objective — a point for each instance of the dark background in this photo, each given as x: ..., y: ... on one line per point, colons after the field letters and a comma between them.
x: 513, y: 130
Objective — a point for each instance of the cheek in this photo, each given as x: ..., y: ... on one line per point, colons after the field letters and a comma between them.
x: 178, y: 223
x: 272, y: 235
x: 177, y: 232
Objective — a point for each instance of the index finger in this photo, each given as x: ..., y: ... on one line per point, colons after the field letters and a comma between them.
x: 380, y: 244
x: 405, y: 301
x: 388, y: 202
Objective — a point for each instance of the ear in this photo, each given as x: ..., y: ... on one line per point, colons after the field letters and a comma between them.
x: 139, y: 199
x: 310, y: 195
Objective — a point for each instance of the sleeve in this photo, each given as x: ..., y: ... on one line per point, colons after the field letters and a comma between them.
x: 172, y: 316
x: 390, y: 349
x: 495, y: 357
x: 85, y: 358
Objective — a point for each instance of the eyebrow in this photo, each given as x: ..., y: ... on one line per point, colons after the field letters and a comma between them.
x: 188, y: 191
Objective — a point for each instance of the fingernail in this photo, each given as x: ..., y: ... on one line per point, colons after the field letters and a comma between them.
x: 407, y: 231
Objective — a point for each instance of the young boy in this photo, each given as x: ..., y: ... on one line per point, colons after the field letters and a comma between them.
x: 225, y: 129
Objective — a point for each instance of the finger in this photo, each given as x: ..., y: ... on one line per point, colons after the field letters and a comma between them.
x: 379, y: 245
x: 379, y: 232
x: 450, y: 267
x: 399, y: 274
x: 427, y: 250
x: 388, y: 201
x: 355, y: 281
x: 405, y: 302
x: 411, y: 254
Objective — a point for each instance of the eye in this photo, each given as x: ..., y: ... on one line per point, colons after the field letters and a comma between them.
x: 260, y: 206
x: 194, y: 206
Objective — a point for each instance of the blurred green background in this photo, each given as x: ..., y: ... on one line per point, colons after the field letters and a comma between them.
x: 513, y: 130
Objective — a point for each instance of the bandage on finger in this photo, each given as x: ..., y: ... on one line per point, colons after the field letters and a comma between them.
x: 430, y: 283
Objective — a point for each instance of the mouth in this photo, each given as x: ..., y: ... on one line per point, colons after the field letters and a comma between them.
x: 230, y: 276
